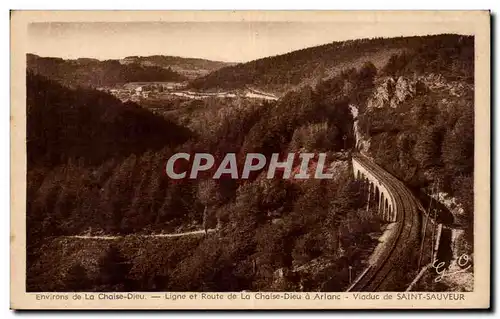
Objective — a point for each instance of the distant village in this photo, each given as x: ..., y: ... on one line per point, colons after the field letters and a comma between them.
x: 137, y: 91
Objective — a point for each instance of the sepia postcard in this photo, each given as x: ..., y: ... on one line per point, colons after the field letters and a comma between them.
x: 250, y: 159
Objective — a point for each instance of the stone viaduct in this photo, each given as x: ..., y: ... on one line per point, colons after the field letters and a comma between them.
x: 376, y: 191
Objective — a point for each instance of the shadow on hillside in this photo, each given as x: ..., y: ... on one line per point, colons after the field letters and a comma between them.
x: 443, y: 215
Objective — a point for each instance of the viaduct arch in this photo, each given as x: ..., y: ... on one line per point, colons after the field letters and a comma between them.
x: 376, y: 192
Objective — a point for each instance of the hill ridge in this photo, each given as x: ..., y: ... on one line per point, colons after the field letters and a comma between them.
x: 308, y: 66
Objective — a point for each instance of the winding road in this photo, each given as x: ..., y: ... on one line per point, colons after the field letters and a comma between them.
x: 398, y: 249
x: 171, y: 235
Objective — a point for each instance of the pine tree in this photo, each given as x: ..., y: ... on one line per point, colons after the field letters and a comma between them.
x: 458, y: 146
x: 427, y: 149
x: 76, y: 278
x: 113, y: 270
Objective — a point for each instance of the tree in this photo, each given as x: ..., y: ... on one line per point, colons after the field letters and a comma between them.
x: 208, y: 195
x: 458, y: 146
x: 364, y: 83
x: 463, y: 187
x: 76, y: 278
x: 348, y: 199
x: 315, y: 137
x: 427, y: 149
x: 397, y: 63
x: 426, y: 113
x: 113, y: 270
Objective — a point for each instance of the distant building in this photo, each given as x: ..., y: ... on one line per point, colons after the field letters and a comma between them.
x: 128, y: 60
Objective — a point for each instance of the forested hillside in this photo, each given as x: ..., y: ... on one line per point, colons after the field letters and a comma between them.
x: 64, y: 124
x: 95, y: 73
x: 82, y: 146
x: 312, y: 65
x: 418, y: 123
x: 270, y: 224
x: 419, y: 120
x: 96, y: 166
x: 188, y: 67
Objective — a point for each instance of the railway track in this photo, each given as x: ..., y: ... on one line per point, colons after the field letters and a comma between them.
x: 407, y: 221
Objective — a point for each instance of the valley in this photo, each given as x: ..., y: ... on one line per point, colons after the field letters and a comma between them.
x: 158, y: 91
x: 103, y: 214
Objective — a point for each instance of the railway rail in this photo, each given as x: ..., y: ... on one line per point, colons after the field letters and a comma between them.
x: 407, y: 221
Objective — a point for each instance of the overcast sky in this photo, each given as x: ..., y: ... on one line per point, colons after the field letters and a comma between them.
x: 223, y: 41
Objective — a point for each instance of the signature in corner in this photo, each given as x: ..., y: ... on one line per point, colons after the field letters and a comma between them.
x: 464, y: 262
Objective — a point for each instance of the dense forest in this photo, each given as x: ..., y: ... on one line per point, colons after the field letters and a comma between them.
x: 127, y: 192
x: 428, y: 139
x: 65, y: 124
x: 96, y: 167
x: 312, y: 65
x: 94, y: 73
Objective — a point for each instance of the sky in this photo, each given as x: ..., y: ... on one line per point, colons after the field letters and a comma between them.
x: 221, y: 41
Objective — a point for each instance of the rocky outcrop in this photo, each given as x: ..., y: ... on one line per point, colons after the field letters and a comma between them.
x: 436, y: 82
x: 393, y: 91
x: 390, y: 92
x: 383, y: 93
x: 405, y: 89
